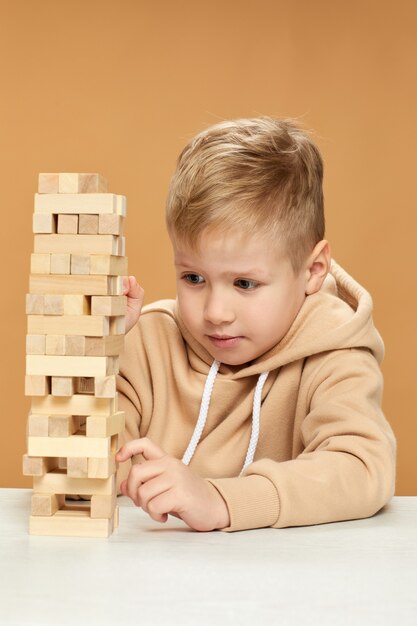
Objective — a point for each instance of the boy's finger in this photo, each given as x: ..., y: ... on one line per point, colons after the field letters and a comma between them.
x: 132, y: 288
x: 144, y: 446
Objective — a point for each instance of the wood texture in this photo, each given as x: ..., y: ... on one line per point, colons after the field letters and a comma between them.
x: 76, y: 445
x: 80, y: 203
x: 77, y: 244
x: 45, y: 365
x: 92, y: 325
x: 72, y: 285
x: 77, y: 404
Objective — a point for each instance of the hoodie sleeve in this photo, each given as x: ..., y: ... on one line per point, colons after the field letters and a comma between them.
x: 347, y: 467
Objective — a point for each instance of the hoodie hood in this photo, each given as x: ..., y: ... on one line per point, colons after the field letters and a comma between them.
x: 339, y: 316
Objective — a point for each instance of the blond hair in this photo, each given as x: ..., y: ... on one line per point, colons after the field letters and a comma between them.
x: 258, y: 175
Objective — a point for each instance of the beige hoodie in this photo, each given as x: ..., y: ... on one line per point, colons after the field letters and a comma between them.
x: 325, y: 450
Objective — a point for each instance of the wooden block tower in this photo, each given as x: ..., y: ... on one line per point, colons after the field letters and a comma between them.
x: 76, y: 322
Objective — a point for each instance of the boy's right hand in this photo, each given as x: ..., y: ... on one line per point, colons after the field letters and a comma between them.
x: 135, y: 294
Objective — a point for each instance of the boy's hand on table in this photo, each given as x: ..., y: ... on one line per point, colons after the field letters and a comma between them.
x: 162, y: 485
x: 134, y: 293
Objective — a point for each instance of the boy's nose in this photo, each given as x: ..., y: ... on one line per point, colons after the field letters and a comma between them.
x: 218, y: 311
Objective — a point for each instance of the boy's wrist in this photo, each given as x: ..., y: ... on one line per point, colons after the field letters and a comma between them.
x: 222, y: 515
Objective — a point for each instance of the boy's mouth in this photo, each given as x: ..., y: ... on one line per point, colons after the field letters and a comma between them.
x: 224, y: 341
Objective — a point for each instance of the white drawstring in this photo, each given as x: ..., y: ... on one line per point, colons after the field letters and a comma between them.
x: 256, y: 412
x: 204, y: 407
x: 205, y: 401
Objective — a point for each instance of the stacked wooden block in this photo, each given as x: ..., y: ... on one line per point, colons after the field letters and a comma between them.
x: 76, y: 323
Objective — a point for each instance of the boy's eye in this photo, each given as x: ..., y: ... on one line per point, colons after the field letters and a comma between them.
x: 245, y: 283
x: 194, y: 279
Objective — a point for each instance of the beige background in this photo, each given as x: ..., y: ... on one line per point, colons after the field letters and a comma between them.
x: 119, y: 86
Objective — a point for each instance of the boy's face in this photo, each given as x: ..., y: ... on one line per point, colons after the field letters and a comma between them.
x: 237, y: 297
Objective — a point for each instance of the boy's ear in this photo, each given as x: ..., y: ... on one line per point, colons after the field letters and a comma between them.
x: 318, y: 266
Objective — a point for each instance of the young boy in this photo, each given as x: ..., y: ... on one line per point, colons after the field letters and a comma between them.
x: 254, y: 399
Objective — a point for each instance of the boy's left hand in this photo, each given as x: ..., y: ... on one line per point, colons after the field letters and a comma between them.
x: 163, y: 485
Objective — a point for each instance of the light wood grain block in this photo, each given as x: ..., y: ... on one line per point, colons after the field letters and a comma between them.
x: 69, y: 182
x: 80, y: 203
x: 55, y: 346
x: 48, y: 183
x: 62, y: 425
x: 77, y: 304
x: 77, y: 467
x: 101, y: 468
x: 74, y: 345
x: 111, y: 345
x: 35, y: 344
x: 80, y: 264
x: 110, y: 224
x: 88, y: 224
x: 64, y: 525
x: 76, y: 445
x: 77, y: 244
x: 53, y: 304
x: 44, y: 223
x: 38, y: 365
x: 99, y: 426
x: 117, y: 325
x: 60, y: 482
x: 40, y: 263
x: 62, y: 386
x: 108, y: 305
x: 109, y: 265
x: 116, y: 286
x: 78, y: 404
x: 103, y: 506
x: 67, y: 224
x: 121, y: 244
x: 47, y: 503
x: 37, y: 385
x: 85, y: 385
x: 37, y: 425
x: 105, y: 386
x: 60, y: 263
x: 71, y: 285
x: 90, y: 325
x: 34, y: 304
x: 38, y: 465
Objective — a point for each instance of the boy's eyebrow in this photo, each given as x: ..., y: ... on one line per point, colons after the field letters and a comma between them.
x: 248, y: 272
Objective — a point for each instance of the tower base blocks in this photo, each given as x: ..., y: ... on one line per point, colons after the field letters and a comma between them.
x: 76, y: 323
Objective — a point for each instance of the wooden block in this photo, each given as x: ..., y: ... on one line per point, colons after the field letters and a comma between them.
x: 110, y: 224
x: 53, y: 305
x: 116, y: 518
x: 80, y: 264
x: 35, y: 344
x: 108, y: 265
x: 55, y: 346
x: 60, y: 482
x: 88, y: 224
x: 105, y: 386
x: 63, y: 525
x: 76, y: 445
x: 62, y: 386
x: 37, y: 425
x: 44, y: 223
x: 74, y: 345
x: 47, y: 503
x: 77, y: 244
x: 117, y: 325
x: 121, y: 245
x: 46, y: 365
x: 108, y: 305
x: 67, y: 224
x: 71, y: 285
x: 111, y: 345
x: 78, y: 404
x: 116, y: 286
x: 80, y: 203
x: 101, y: 468
x: 103, y: 506
x: 85, y: 385
x: 90, y: 325
x: 62, y: 425
x: 99, y: 426
x: 38, y: 465
x: 77, y: 467
x: 48, y: 183
x: 81, y: 183
x: 60, y: 263
x: 37, y: 385
x: 77, y: 305
x: 40, y: 263
x: 34, y: 304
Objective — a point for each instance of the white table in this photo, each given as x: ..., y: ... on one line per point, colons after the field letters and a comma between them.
x: 351, y: 573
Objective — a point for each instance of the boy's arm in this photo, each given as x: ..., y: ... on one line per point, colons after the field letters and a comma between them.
x: 347, y: 467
